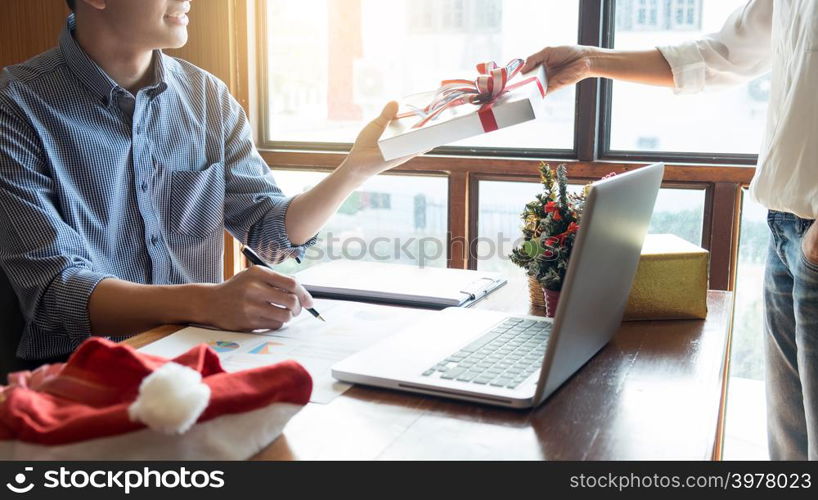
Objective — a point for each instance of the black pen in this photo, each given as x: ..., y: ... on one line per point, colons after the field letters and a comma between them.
x: 255, y: 259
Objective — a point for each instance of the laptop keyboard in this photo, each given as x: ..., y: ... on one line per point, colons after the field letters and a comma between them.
x: 504, y: 357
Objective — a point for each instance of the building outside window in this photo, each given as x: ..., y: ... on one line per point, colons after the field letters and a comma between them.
x: 658, y: 15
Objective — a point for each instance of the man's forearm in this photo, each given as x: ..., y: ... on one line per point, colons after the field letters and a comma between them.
x: 120, y: 308
x: 639, y: 66
x: 309, y: 211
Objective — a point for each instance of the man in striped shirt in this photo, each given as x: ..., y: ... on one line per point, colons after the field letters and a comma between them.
x: 120, y: 169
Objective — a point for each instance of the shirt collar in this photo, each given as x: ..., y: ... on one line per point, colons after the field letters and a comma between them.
x: 95, y: 78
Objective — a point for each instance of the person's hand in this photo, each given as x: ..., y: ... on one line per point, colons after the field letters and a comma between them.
x: 255, y: 299
x: 365, y: 159
x: 564, y: 66
x: 809, y: 244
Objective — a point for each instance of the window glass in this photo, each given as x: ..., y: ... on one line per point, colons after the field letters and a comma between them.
x: 333, y: 64
x: 678, y: 211
x: 391, y: 218
x: 745, y: 431
x: 645, y: 118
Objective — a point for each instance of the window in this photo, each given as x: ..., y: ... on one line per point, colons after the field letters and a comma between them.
x: 488, y: 15
x: 678, y: 211
x: 395, y: 218
x: 473, y: 16
x: 331, y: 65
x: 685, y: 123
x: 647, y: 14
x: 747, y: 431
x: 348, y: 63
x: 658, y: 15
x: 686, y: 14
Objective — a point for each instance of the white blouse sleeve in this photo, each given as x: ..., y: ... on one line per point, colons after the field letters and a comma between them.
x: 737, y: 53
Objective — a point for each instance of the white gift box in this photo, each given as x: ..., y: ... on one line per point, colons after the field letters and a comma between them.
x: 520, y: 103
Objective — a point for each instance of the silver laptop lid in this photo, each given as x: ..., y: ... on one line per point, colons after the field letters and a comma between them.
x: 600, y: 272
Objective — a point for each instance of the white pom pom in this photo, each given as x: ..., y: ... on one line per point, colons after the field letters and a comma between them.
x: 171, y: 399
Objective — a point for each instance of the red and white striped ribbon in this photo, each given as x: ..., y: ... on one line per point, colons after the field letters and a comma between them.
x: 489, y: 85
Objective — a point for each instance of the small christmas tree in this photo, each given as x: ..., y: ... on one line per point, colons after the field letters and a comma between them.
x: 550, y: 225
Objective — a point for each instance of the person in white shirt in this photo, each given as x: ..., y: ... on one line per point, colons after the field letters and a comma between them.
x: 781, y: 37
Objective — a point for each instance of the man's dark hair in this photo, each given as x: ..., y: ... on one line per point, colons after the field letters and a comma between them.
x: 71, y: 4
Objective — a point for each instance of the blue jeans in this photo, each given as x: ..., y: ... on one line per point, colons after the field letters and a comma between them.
x: 791, y: 341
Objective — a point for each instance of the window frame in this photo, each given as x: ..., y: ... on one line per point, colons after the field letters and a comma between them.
x: 721, y: 175
x: 607, y: 27
x: 592, y: 109
x: 264, y: 142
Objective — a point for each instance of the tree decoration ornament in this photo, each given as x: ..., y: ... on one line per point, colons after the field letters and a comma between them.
x: 550, y: 226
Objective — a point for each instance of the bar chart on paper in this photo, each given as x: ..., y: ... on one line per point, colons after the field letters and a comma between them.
x: 316, y: 345
x: 266, y: 348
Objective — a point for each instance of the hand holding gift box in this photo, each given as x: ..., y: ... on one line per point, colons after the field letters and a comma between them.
x: 460, y: 109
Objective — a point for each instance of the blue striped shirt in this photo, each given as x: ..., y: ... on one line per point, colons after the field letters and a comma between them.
x: 96, y: 183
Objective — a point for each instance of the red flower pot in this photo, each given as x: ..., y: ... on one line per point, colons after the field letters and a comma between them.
x: 552, y: 298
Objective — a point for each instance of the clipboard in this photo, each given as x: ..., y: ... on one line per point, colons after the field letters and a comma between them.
x: 400, y: 284
x: 484, y: 286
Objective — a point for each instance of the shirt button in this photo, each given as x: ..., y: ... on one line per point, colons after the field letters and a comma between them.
x: 144, y: 186
x: 139, y: 130
x: 154, y: 240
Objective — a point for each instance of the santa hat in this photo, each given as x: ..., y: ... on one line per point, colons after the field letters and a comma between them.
x: 109, y: 401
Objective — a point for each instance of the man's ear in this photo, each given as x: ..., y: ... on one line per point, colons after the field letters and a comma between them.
x: 95, y: 4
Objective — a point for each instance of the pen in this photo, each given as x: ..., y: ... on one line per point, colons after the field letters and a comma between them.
x: 255, y: 259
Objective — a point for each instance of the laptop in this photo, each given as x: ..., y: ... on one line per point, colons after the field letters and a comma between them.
x: 518, y: 361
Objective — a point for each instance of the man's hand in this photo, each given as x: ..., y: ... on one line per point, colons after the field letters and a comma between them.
x: 809, y: 244
x: 564, y: 66
x: 255, y: 299
x: 365, y: 159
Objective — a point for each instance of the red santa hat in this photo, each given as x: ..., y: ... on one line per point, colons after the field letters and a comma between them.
x: 109, y: 401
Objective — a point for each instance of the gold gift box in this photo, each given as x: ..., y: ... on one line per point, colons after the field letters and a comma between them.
x: 671, y: 280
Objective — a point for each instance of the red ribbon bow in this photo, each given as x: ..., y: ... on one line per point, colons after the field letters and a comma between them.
x: 489, y: 85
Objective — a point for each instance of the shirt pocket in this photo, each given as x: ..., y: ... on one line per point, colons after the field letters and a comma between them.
x: 197, y: 201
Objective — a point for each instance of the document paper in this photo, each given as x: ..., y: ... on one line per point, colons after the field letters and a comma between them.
x: 316, y: 345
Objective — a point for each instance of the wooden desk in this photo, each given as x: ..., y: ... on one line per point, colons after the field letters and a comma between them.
x: 657, y: 391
